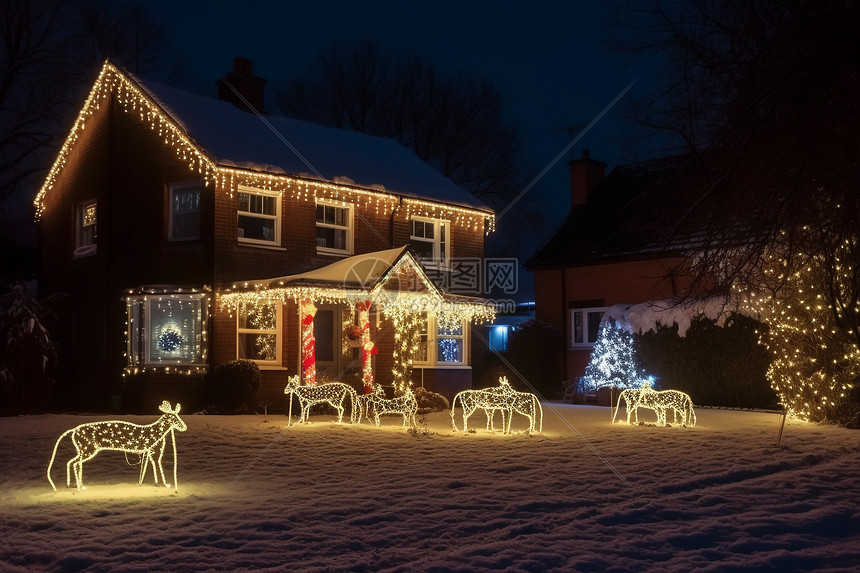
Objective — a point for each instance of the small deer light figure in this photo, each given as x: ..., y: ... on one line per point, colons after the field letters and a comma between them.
x: 146, y: 441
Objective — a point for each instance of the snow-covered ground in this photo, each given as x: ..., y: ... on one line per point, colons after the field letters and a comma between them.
x: 586, y: 495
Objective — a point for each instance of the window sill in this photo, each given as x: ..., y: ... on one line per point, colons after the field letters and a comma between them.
x: 242, y: 243
x: 333, y: 252
x: 442, y: 366
x: 85, y: 251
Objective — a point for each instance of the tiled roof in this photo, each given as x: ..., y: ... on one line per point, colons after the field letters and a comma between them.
x: 638, y: 211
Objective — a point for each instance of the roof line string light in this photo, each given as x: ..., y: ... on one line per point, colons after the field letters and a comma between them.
x: 135, y: 100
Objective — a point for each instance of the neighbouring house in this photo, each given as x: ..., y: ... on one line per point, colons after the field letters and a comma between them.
x: 623, y: 241
x: 189, y: 231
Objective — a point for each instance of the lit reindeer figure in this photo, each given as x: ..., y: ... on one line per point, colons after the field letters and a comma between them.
x: 91, y: 438
x: 487, y: 399
x: 333, y: 393
x: 659, y: 401
x: 405, y: 405
x: 503, y: 398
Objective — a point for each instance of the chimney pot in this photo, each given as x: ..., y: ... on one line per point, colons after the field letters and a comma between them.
x: 242, y: 80
x: 585, y: 174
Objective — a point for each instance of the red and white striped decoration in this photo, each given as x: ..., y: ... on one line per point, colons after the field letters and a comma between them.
x: 309, y: 358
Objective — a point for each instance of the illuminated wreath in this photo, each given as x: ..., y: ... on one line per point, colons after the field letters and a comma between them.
x: 170, y: 340
x: 353, y: 335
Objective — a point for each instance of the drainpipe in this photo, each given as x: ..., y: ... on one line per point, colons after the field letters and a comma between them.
x: 565, y: 330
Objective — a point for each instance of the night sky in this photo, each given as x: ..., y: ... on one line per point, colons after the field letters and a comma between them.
x: 550, y: 59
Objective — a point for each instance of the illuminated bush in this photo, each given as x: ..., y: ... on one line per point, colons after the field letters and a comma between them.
x: 234, y: 385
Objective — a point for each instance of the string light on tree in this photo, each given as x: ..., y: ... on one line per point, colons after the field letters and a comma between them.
x: 814, y: 359
x: 613, y: 359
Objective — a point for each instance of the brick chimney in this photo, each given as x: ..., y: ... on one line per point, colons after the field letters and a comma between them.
x: 585, y: 174
x: 246, y: 83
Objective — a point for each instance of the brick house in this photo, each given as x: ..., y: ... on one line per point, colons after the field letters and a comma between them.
x: 187, y: 232
x: 623, y: 242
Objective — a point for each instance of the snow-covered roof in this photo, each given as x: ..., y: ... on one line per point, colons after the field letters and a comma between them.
x: 281, y: 145
x: 359, y: 272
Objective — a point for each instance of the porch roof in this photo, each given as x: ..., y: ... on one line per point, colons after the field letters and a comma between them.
x: 391, y: 279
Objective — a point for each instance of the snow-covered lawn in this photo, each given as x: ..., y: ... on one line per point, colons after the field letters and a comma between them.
x: 586, y: 495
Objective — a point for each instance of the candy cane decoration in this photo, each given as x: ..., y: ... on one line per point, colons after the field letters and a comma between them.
x: 367, y: 346
x: 309, y: 358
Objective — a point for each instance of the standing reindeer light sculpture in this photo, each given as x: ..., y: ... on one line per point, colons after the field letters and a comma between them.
x: 146, y: 441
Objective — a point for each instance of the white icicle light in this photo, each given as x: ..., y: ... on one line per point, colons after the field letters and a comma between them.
x: 146, y: 441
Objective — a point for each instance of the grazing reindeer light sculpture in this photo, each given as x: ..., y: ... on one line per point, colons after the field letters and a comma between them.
x: 645, y: 397
x: 503, y: 398
x: 405, y: 405
x: 91, y: 438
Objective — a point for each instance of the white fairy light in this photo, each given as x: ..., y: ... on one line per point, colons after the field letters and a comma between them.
x: 405, y: 405
x: 502, y: 398
x: 134, y: 99
x: 333, y: 393
x: 659, y: 401
x: 91, y: 438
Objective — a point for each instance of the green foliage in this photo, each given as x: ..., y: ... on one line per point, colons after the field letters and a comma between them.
x: 716, y: 366
x: 27, y: 353
x: 234, y: 385
x: 429, y: 401
x: 528, y: 348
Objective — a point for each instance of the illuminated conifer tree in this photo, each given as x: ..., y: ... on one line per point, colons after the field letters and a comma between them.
x: 613, y: 359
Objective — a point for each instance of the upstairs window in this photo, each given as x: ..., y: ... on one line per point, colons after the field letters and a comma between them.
x: 184, y: 218
x: 584, y: 325
x: 86, y: 228
x: 334, y: 228
x: 259, y: 216
x: 430, y: 241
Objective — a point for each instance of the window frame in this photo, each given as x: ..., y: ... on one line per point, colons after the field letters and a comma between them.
x: 441, y: 254
x: 83, y: 247
x: 277, y: 332
x: 585, y: 313
x: 139, y: 309
x: 432, y: 335
x: 349, y: 227
x: 171, y: 190
x: 277, y: 217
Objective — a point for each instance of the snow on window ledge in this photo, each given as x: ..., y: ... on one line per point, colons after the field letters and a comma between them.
x: 85, y: 251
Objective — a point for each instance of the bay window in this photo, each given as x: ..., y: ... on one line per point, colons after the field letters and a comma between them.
x: 167, y: 329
